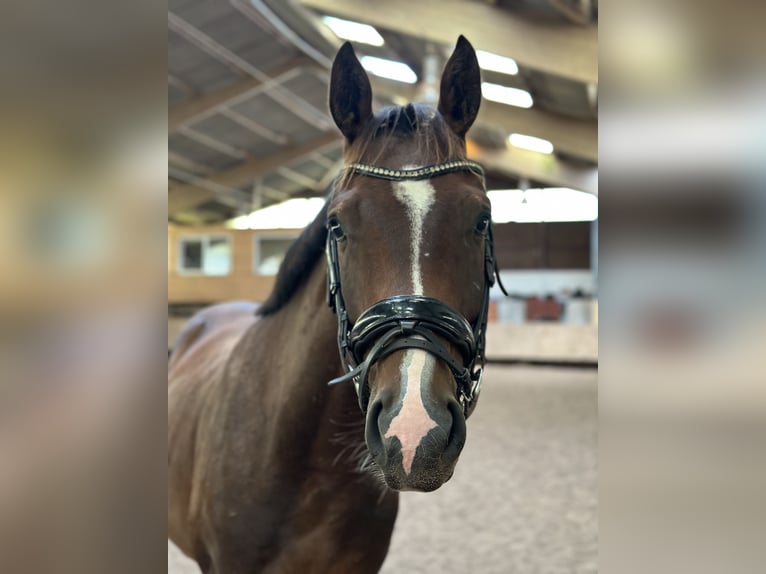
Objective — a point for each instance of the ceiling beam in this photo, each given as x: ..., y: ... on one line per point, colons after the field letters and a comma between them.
x: 554, y: 47
x: 228, y: 196
x: 284, y: 97
x: 185, y: 87
x: 178, y: 160
x: 575, y: 137
x: 213, y: 143
x: 547, y: 169
x: 325, y: 162
x: 199, y: 107
x: 572, y: 136
x: 186, y: 197
x: 329, y: 175
x: 255, y: 127
x: 296, y: 177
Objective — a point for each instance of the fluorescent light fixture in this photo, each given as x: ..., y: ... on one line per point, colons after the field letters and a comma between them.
x: 390, y: 69
x: 506, y: 95
x: 354, y: 31
x: 290, y: 214
x: 542, y: 205
x: 496, y: 63
x: 531, y: 143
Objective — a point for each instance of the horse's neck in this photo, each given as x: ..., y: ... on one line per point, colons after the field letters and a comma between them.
x: 302, y: 358
x: 307, y: 332
x: 284, y: 449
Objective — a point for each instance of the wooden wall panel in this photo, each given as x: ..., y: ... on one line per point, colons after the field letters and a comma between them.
x: 563, y: 245
x: 241, y: 283
x: 518, y: 246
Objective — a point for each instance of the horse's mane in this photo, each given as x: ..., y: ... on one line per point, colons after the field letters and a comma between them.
x: 298, y: 263
x: 435, y: 140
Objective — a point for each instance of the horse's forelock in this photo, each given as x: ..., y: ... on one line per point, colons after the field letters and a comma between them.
x: 435, y: 140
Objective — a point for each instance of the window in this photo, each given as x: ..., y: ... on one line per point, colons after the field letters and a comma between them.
x: 205, y: 255
x: 269, y: 253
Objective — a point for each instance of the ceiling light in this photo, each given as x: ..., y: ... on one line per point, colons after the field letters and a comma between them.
x: 390, y: 69
x: 290, y: 214
x: 506, y: 95
x: 497, y: 63
x: 531, y: 143
x: 354, y: 31
x: 542, y: 205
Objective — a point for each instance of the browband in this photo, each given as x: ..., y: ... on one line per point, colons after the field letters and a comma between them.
x: 416, y: 173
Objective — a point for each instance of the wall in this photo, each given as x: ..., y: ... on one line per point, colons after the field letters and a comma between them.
x: 241, y: 283
x: 574, y: 341
x: 546, y: 281
x: 537, y: 258
x: 562, y: 245
x: 542, y: 342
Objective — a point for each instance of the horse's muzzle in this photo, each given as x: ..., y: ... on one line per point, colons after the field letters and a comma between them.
x: 413, y: 456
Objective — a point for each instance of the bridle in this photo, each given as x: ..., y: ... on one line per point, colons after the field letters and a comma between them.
x: 412, y: 321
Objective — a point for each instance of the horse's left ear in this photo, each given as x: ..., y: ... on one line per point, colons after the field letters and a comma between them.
x: 460, y: 93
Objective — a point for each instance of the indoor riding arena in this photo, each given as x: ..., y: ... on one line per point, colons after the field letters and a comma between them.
x: 272, y: 199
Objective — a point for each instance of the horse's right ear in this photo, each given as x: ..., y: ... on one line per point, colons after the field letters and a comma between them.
x: 350, y: 93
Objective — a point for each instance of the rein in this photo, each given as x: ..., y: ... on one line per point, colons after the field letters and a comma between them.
x: 412, y: 321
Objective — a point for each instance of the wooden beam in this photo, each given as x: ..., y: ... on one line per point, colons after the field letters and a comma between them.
x: 181, y: 85
x: 296, y: 177
x: 189, y: 111
x: 555, y: 47
x: 575, y: 137
x: 187, y: 164
x: 185, y: 197
x: 547, y: 169
x: 213, y: 143
x: 572, y: 136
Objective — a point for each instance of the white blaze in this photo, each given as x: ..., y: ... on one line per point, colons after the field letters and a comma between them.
x: 417, y: 197
x: 412, y: 422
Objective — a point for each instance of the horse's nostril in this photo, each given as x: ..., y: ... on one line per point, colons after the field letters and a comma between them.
x: 372, y: 433
x: 457, y: 434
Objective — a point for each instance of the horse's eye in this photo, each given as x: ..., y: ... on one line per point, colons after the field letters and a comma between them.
x: 335, y: 228
x: 482, y: 226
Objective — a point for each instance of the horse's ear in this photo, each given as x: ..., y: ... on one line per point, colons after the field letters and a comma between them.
x: 350, y: 93
x: 460, y: 93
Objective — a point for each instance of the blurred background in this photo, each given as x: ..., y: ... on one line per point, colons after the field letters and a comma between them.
x: 682, y: 399
x: 82, y: 289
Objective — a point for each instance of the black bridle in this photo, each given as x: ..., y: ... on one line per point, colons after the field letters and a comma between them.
x: 412, y: 321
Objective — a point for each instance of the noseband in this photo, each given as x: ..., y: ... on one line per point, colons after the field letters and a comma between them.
x: 412, y: 321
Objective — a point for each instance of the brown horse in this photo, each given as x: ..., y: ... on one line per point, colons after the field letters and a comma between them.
x: 271, y: 470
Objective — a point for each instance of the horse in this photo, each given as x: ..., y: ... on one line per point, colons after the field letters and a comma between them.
x: 384, y: 296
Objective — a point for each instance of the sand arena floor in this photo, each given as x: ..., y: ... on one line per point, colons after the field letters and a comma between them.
x: 523, y: 497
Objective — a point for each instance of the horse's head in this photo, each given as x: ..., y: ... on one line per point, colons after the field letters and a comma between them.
x: 412, y: 254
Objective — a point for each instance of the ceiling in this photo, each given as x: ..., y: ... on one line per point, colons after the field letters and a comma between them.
x: 248, y: 124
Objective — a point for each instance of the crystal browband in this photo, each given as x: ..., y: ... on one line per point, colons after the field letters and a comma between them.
x: 417, y: 173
